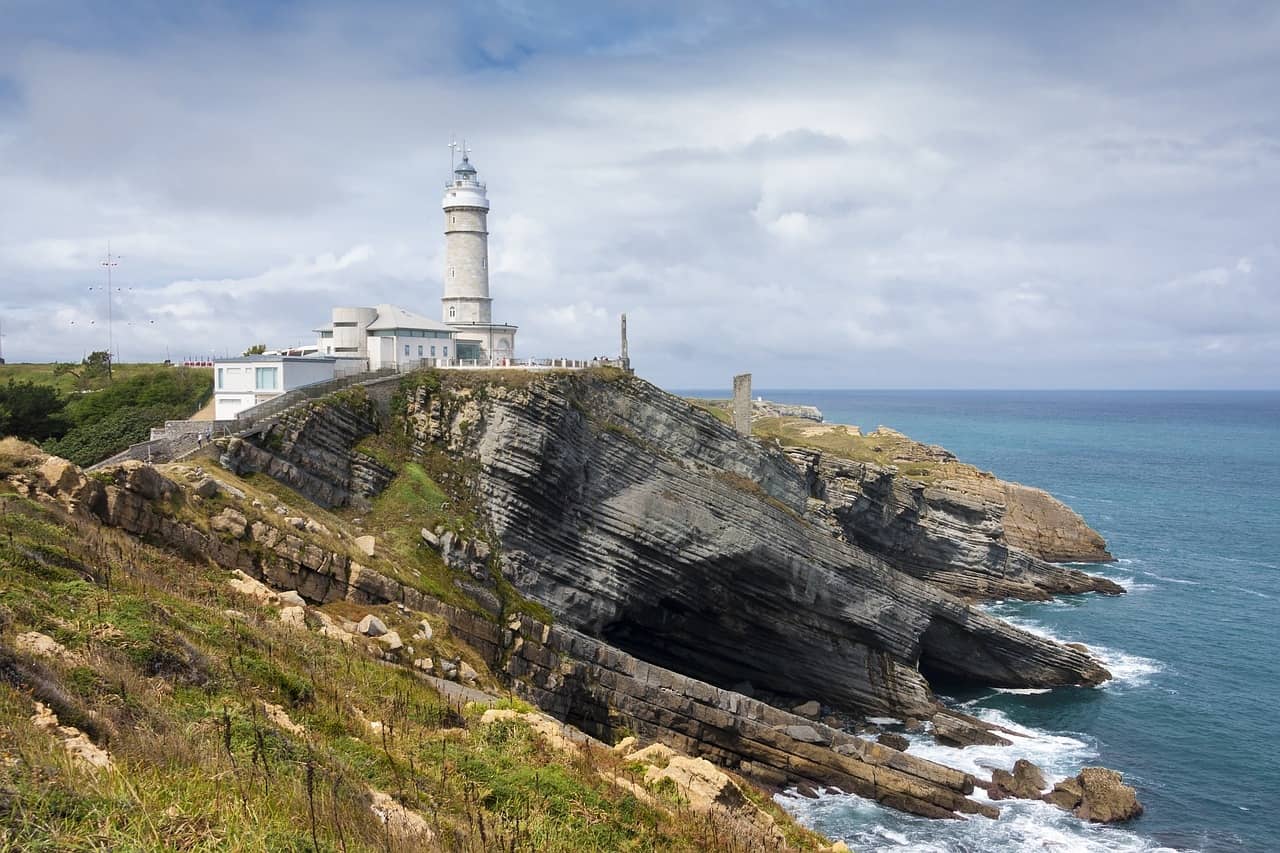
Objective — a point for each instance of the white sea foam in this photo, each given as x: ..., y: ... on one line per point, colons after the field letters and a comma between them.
x: 1023, y: 825
x: 1126, y: 669
x: 1172, y: 580
x: 1023, y: 691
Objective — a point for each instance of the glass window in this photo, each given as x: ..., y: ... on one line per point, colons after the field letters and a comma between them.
x: 406, y: 349
x: 446, y: 352
x: 265, y: 379
x: 419, y: 350
x: 452, y: 311
x: 221, y: 384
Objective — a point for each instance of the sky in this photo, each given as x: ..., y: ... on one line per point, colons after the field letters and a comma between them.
x: 857, y: 195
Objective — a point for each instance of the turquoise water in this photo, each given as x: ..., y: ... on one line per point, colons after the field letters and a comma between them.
x: 1185, y: 486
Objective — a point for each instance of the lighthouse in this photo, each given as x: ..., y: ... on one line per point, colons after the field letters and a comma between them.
x: 466, y: 305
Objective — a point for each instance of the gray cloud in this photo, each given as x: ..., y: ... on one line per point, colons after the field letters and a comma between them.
x: 820, y: 197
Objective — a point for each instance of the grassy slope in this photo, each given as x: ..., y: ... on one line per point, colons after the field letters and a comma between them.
x: 42, y: 374
x: 169, y: 670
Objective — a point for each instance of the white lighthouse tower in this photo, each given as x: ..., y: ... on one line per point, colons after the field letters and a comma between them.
x: 467, y: 306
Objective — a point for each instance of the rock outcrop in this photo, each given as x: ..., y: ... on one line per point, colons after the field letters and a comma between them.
x: 973, y: 536
x: 643, y: 521
x: 311, y: 450
x: 1096, y: 794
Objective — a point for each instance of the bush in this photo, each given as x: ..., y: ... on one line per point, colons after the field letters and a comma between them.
x: 33, y: 412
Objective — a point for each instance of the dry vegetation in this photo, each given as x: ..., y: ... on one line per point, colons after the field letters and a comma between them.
x: 177, y: 676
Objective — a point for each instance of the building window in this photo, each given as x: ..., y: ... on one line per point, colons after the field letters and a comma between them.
x: 433, y: 350
x: 452, y: 312
x: 484, y: 263
x: 446, y: 352
x: 345, y: 325
x: 419, y: 350
x: 406, y: 349
x: 453, y: 273
x: 221, y: 384
x: 265, y: 379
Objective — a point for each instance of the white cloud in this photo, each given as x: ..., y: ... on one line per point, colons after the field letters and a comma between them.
x: 818, y: 198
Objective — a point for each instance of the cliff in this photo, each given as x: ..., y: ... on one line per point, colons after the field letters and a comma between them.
x: 615, y: 555
x: 640, y: 519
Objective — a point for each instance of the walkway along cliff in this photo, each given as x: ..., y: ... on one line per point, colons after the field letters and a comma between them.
x: 628, y: 563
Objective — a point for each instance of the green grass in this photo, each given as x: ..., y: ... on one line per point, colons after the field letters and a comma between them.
x: 879, y: 448
x: 43, y: 374
x: 173, y: 686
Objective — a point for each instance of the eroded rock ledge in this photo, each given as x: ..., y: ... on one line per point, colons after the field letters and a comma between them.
x: 645, y: 522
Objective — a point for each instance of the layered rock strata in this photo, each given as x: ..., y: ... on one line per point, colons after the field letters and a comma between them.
x: 580, y: 679
x: 310, y: 449
x: 647, y: 523
x: 958, y: 534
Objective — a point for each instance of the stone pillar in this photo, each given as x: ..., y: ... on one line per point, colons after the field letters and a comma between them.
x: 742, y: 403
x: 623, y: 356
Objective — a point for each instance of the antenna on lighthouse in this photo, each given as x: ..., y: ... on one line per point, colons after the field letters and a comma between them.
x: 453, y: 150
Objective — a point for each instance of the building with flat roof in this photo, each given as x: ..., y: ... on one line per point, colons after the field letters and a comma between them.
x: 387, y: 336
x: 242, y: 383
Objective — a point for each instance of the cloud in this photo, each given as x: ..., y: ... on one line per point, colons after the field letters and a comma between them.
x: 821, y: 197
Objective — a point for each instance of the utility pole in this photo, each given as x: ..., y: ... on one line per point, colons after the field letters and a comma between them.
x: 109, y: 263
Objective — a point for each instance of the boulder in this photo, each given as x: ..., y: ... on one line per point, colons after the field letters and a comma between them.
x: 230, y: 522
x: 811, y: 709
x: 466, y: 673
x: 804, y: 734
x: 893, y: 741
x: 1096, y: 794
x: 1106, y: 798
x: 365, y: 544
x: 956, y: 730
x: 291, y: 598
x: 424, y: 664
x: 371, y: 626
x: 35, y: 643
x: 430, y: 538
x: 912, y: 726
x: 293, y: 616
x: 207, y: 488
x: 391, y: 640
x: 424, y: 631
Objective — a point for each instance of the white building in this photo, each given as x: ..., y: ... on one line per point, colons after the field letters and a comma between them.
x: 241, y: 383
x: 467, y: 306
x: 387, y: 336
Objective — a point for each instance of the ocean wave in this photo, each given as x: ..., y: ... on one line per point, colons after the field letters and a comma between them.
x: 1172, y: 580
x: 1022, y: 825
x: 1024, y: 691
x: 1126, y: 669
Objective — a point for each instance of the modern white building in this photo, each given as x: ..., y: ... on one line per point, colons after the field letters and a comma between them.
x: 387, y: 336
x: 241, y: 383
x: 466, y: 305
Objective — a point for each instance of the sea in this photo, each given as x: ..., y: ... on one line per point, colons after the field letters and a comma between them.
x: 1185, y: 486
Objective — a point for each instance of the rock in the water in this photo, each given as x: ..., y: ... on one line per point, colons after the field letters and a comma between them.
x: 1025, y: 782
x: 811, y: 709
x: 371, y: 626
x: 1096, y: 794
x: 894, y: 741
x: 957, y: 730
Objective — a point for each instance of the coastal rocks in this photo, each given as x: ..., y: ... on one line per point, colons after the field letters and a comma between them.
x: 1025, y: 782
x: 969, y: 534
x: 810, y: 709
x: 893, y: 741
x: 652, y: 525
x: 311, y: 451
x: 371, y: 626
x: 1096, y: 794
x: 954, y: 729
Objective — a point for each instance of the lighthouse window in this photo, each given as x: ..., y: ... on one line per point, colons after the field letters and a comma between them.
x: 452, y: 312
x: 484, y: 263
x: 453, y: 273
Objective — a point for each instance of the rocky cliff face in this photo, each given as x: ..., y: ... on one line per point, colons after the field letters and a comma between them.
x: 960, y: 533
x: 643, y: 521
